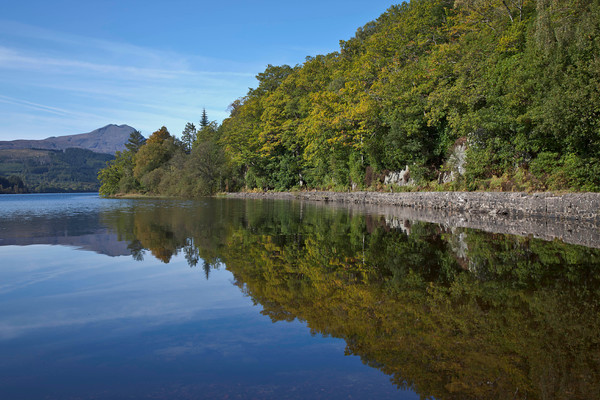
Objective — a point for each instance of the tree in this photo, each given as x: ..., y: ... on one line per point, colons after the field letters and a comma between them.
x: 207, y: 163
x: 204, y: 120
x: 159, y: 136
x: 136, y: 140
x: 12, y: 184
x: 116, y: 170
x: 188, y: 136
x: 271, y: 79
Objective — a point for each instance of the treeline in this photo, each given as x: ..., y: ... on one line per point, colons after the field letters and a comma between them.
x: 195, y: 165
x: 12, y: 185
x: 469, y: 94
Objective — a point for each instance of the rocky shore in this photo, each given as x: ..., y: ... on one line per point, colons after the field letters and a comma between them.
x: 573, y: 218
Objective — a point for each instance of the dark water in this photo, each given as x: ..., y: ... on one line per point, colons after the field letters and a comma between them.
x: 228, y: 299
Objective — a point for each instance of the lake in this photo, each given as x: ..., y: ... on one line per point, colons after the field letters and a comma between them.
x: 270, y: 299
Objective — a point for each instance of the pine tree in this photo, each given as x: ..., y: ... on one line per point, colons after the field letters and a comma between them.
x: 136, y: 140
x: 204, y: 120
x: 188, y: 137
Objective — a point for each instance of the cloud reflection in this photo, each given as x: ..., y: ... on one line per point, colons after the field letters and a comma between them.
x: 51, y: 286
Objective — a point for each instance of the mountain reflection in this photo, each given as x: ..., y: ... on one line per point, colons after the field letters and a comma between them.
x: 452, y: 313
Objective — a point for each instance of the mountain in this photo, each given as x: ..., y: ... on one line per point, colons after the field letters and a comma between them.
x: 61, y: 164
x: 108, y: 139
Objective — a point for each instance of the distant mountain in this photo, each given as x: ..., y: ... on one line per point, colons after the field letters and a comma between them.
x: 108, y: 139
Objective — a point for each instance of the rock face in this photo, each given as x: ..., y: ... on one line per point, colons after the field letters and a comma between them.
x: 455, y: 165
x: 573, y: 218
x: 108, y: 139
x: 400, y: 178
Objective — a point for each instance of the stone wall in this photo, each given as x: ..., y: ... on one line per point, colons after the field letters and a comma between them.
x: 571, y: 206
x: 573, y: 218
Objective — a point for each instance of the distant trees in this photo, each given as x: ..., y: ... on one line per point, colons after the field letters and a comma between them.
x: 193, y: 166
x: 43, y: 171
x: 12, y: 184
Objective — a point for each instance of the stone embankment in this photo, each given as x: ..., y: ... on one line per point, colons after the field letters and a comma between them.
x: 573, y: 218
x: 572, y: 206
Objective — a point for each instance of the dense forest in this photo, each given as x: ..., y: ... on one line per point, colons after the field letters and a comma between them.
x: 43, y: 171
x: 433, y: 95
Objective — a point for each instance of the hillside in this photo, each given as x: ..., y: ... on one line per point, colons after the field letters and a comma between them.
x: 72, y: 170
x: 108, y: 139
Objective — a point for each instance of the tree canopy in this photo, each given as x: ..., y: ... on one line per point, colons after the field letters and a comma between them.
x: 516, y: 82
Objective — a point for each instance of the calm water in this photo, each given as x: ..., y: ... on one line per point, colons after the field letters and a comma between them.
x: 227, y: 299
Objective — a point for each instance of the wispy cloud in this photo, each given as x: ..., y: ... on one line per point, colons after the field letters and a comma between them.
x: 88, y: 80
x: 33, y: 106
x: 17, y: 60
x: 106, y: 290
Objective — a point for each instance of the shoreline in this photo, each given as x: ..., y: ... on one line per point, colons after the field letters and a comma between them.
x: 572, y: 218
x: 569, y: 206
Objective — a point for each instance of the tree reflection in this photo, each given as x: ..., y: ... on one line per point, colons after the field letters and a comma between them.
x: 450, y: 313
x: 137, y: 250
x: 192, y: 255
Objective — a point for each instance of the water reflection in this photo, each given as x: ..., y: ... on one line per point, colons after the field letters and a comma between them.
x: 453, y: 313
x: 59, y: 219
x: 447, y: 311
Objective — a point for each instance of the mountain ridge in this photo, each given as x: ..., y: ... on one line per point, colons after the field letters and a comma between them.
x: 108, y: 140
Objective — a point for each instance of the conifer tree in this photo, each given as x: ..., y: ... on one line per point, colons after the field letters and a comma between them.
x: 136, y: 140
x: 204, y: 120
x: 188, y: 137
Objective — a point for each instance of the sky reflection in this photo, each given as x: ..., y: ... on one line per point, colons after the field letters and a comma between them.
x: 78, y: 324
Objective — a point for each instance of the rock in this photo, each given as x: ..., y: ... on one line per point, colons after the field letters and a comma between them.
x: 455, y: 165
x: 400, y: 178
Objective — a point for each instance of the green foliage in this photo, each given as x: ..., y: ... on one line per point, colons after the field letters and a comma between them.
x: 136, y: 140
x: 207, y: 164
x: 152, y: 155
x: 514, y: 80
x: 188, y: 137
x: 163, y: 166
x: 115, y: 175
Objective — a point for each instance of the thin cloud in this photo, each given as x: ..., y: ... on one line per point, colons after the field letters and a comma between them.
x: 11, y: 59
x: 98, y: 48
x: 34, y: 106
x: 81, y: 83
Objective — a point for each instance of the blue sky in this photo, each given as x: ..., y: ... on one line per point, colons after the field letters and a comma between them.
x: 70, y: 67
